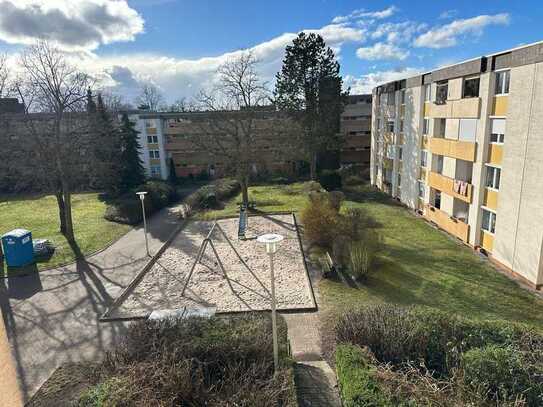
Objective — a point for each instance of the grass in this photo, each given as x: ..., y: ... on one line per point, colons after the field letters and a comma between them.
x: 39, y: 214
x: 268, y: 198
x: 419, y: 266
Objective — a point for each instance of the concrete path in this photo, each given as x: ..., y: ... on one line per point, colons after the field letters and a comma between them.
x: 316, y: 383
x: 52, y: 317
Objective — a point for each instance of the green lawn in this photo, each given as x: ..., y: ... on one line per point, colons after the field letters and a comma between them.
x: 420, y: 265
x: 268, y: 198
x: 39, y: 214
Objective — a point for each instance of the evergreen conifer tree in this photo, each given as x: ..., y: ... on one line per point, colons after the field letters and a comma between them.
x: 132, y: 171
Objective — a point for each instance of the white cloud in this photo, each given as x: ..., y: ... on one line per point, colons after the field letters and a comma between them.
x: 447, y: 35
x: 358, y: 14
x: 382, y: 51
x: 398, y: 32
x: 365, y: 83
x: 81, y: 25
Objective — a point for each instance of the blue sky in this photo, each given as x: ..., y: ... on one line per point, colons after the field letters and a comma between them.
x: 178, y: 44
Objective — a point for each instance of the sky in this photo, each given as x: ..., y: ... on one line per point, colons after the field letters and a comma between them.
x: 179, y: 44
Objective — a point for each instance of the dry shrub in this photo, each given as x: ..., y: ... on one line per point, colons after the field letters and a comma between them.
x: 320, y: 220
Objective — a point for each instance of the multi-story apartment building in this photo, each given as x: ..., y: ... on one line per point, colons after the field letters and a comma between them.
x: 355, y: 126
x: 463, y: 145
x: 168, y: 138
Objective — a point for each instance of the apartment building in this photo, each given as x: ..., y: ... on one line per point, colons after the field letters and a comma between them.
x: 355, y: 126
x: 463, y: 145
x: 168, y: 138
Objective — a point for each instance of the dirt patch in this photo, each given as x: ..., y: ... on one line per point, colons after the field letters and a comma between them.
x: 247, y: 282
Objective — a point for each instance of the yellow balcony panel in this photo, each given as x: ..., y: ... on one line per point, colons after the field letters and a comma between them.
x: 402, y: 110
x: 154, y: 161
x: 453, y: 226
x: 424, y: 143
x: 389, y: 137
x: 401, y: 139
x: 446, y: 184
x: 463, y: 150
x: 491, y: 199
x: 427, y: 109
x: 499, y: 106
x: 153, y: 146
x: 487, y: 241
x: 423, y: 174
x: 150, y: 130
x: 456, y: 109
x: 388, y: 163
x: 495, y: 154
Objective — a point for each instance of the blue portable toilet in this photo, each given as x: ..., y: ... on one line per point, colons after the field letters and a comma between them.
x: 18, y: 249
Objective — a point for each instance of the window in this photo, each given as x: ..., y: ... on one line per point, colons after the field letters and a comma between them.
x: 423, y: 158
x: 437, y: 199
x: 471, y: 88
x: 489, y: 221
x: 390, y: 99
x: 399, y: 180
x: 390, y: 126
x: 502, y: 82
x: 441, y: 126
x: 427, y: 92
x: 442, y: 90
x: 497, y: 131
x: 401, y: 125
x: 402, y: 97
x: 155, y: 171
x: 422, y: 189
x: 493, y: 177
x: 439, y: 164
x: 467, y: 130
x: 154, y: 154
x: 390, y: 152
x: 152, y: 139
x: 425, y: 126
x: 400, y: 153
x: 378, y: 124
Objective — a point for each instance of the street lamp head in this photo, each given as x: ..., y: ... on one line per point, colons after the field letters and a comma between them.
x: 270, y: 240
x: 141, y: 194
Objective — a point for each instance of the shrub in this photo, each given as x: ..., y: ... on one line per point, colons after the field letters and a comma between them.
x: 209, y: 196
x: 336, y: 199
x: 361, y: 257
x: 353, y: 180
x: 126, y: 210
x: 356, y: 375
x: 320, y: 220
x: 503, y: 373
x: 330, y: 180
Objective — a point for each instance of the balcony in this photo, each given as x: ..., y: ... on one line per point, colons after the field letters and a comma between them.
x: 462, y: 150
x: 495, y: 154
x: 446, y: 185
x: 150, y: 130
x: 491, y: 199
x: 468, y: 108
x: 357, y: 142
x: 499, y: 105
x: 449, y: 224
x: 487, y: 241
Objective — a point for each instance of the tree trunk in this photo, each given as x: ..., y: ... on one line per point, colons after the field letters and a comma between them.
x: 244, y: 191
x: 61, y: 211
x: 68, y: 214
x: 313, y: 166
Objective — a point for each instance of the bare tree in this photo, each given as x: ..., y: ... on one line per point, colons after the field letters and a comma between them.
x: 150, y: 96
x: 237, y: 129
x: 182, y: 105
x: 61, y: 90
x: 4, y: 76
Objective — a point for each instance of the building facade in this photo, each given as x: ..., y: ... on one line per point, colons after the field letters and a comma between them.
x: 355, y: 126
x: 463, y: 145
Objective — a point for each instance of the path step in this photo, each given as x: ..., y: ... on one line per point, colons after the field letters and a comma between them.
x: 316, y: 384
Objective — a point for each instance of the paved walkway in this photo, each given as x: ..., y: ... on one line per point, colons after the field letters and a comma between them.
x: 52, y: 317
x: 315, y: 380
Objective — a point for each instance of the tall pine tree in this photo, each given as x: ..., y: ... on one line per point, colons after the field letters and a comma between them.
x: 310, y: 88
x: 132, y: 171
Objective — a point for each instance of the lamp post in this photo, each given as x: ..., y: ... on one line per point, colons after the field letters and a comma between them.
x: 142, y: 199
x: 271, y: 240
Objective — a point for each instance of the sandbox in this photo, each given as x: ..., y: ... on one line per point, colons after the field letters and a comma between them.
x: 246, y: 287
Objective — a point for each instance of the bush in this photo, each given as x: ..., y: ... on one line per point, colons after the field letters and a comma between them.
x: 330, y: 180
x: 127, y: 207
x: 336, y: 199
x: 209, y: 196
x: 356, y: 376
x: 435, y: 338
x: 320, y: 220
x: 503, y: 373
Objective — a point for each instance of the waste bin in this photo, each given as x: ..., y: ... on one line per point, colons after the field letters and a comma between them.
x: 18, y: 249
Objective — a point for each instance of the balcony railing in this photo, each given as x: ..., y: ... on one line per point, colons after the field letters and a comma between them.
x: 446, y: 222
x: 458, y: 189
x: 463, y: 150
x: 455, y: 109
